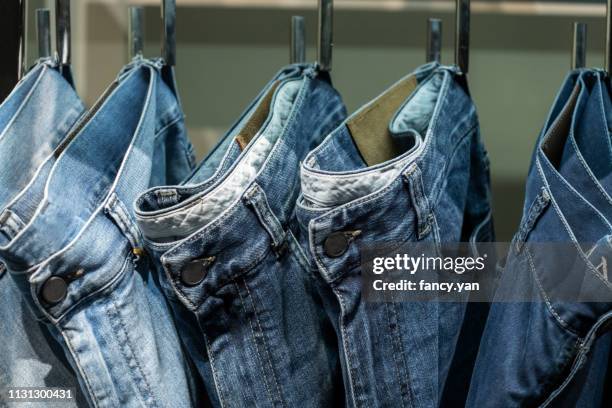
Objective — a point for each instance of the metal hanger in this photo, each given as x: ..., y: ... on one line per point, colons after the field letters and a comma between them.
x: 326, y: 31
x: 608, y: 52
x: 434, y: 40
x: 169, y: 32
x: 297, y: 48
x: 135, y: 31
x: 43, y: 32
x: 579, y: 45
x: 62, y: 28
x: 462, y: 35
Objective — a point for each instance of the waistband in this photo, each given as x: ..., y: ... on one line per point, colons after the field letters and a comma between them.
x: 158, y: 201
x: 391, y: 201
x: 572, y: 165
x: 55, y: 106
x: 209, y: 167
x: 593, y: 139
x: 256, y: 216
x: 90, y: 167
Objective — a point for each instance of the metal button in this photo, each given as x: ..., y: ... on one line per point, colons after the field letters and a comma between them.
x: 194, y: 272
x: 336, y: 244
x: 54, y: 290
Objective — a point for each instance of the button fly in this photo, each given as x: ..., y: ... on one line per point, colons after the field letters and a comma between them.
x: 336, y: 244
x: 54, y: 290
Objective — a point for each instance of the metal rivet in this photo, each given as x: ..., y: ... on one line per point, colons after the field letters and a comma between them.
x: 54, y: 290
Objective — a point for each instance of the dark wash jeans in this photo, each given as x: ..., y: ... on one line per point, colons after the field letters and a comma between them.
x: 29, y: 358
x: 249, y: 308
x: 73, y: 224
x: 393, y: 353
x: 550, y: 351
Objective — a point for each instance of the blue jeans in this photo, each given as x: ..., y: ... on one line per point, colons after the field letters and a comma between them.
x: 29, y: 359
x: 71, y: 244
x: 231, y: 263
x: 436, y: 190
x: 554, y: 346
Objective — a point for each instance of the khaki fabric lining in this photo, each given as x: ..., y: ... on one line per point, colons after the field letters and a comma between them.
x: 257, y: 119
x: 370, y: 128
x: 555, y: 141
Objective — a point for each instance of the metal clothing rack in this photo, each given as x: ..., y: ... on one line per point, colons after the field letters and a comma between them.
x: 12, y: 28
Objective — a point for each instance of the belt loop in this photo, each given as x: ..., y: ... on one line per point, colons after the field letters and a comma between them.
x: 120, y: 215
x: 421, y: 204
x: 255, y: 197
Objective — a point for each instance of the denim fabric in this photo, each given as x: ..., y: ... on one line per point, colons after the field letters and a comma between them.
x: 551, y: 351
x: 29, y: 360
x: 253, y: 317
x: 397, y: 353
x: 74, y: 221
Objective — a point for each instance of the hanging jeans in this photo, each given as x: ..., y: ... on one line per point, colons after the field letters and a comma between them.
x: 29, y: 359
x: 435, y: 190
x: 232, y: 265
x: 553, y: 303
x: 72, y: 245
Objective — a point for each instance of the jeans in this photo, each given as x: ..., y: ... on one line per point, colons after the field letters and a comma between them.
x: 29, y: 359
x: 71, y: 244
x: 552, y: 306
x: 434, y: 189
x: 231, y: 263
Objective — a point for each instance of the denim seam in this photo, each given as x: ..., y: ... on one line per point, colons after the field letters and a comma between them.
x: 268, y: 357
x: 215, y: 374
x: 589, y: 172
x: 256, y: 198
x: 536, y: 209
x: 419, y: 200
x: 583, y: 348
x: 166, y: 126
x: 119, y: 213
x: 398, y: 347
x: 347, y: 352
x: 93, y: 398
x: 562, y: 323
x: 473, y: 239
x: 296, y: 251
x: 437, y: 191
x: 187, y: 147
x: 257, y: 353
x: 127, y: 349
x: 575, y: 193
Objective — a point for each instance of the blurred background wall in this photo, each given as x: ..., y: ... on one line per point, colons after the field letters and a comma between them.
x: 228, y: 49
